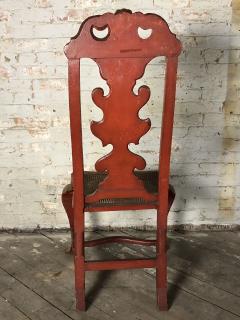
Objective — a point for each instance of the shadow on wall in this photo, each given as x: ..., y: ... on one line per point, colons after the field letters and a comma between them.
x: 228, y: 201
x: 203, y: 168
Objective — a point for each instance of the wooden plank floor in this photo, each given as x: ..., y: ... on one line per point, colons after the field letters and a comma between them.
x: 36, y: 278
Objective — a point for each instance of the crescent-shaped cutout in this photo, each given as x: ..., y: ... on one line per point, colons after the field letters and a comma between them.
x: 144, y: 33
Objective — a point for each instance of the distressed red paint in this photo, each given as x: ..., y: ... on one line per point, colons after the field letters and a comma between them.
x: 122, y: 57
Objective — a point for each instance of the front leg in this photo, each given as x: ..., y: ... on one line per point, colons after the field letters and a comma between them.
x: 67, y: 197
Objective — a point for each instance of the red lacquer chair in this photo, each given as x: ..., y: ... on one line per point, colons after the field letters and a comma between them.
x: 118, y: 182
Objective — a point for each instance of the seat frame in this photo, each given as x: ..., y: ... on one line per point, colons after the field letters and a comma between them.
x: 118, y: 186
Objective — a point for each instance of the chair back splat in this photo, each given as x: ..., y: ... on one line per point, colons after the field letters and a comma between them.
x: 118, y: 183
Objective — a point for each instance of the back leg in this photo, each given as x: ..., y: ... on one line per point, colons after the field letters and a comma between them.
x: 161, y: 270
x: 161, y: 280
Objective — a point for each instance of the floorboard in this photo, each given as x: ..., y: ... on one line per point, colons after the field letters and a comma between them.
x: 36, y: 278
x: 10, y: 312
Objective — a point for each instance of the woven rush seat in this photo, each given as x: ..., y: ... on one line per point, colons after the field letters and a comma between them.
x: 149, y: 179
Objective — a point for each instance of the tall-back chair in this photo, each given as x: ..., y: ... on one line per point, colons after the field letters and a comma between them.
x: 119, y: 182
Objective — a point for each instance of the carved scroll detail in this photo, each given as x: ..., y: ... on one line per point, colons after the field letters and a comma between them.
x: 122, y: 39
x: 122, y: 54
x: 120, y: 126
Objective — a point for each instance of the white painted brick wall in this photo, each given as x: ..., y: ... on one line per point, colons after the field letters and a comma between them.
x: 35, y: 153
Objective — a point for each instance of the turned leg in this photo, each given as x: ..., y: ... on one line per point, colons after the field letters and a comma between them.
x: 67, y: 196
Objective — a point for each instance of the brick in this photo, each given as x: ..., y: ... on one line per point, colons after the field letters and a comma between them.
x: 32, y: 15
x: 8, y: 4
x: 172, y: 4
x: 50, y: 30
x: 53, y: 3
x: 198, y: 4
x: 51, y: 58
x: 193, y: 120
x: 27, y: 59
x: 207, y: 15
x: 119, y: 4
x: 4, y: 15
x: 19, y: 31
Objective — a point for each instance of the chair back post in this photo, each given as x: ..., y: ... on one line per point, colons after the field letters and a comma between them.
x: 166, y: 134
x: 77, y: 150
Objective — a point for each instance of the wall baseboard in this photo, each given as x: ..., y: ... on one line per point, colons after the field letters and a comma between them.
x: 181, y: 228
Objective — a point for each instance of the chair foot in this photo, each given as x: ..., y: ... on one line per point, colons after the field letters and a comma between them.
x: 80, y: 283
x: 80, y: 300
x: 162, y: 299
